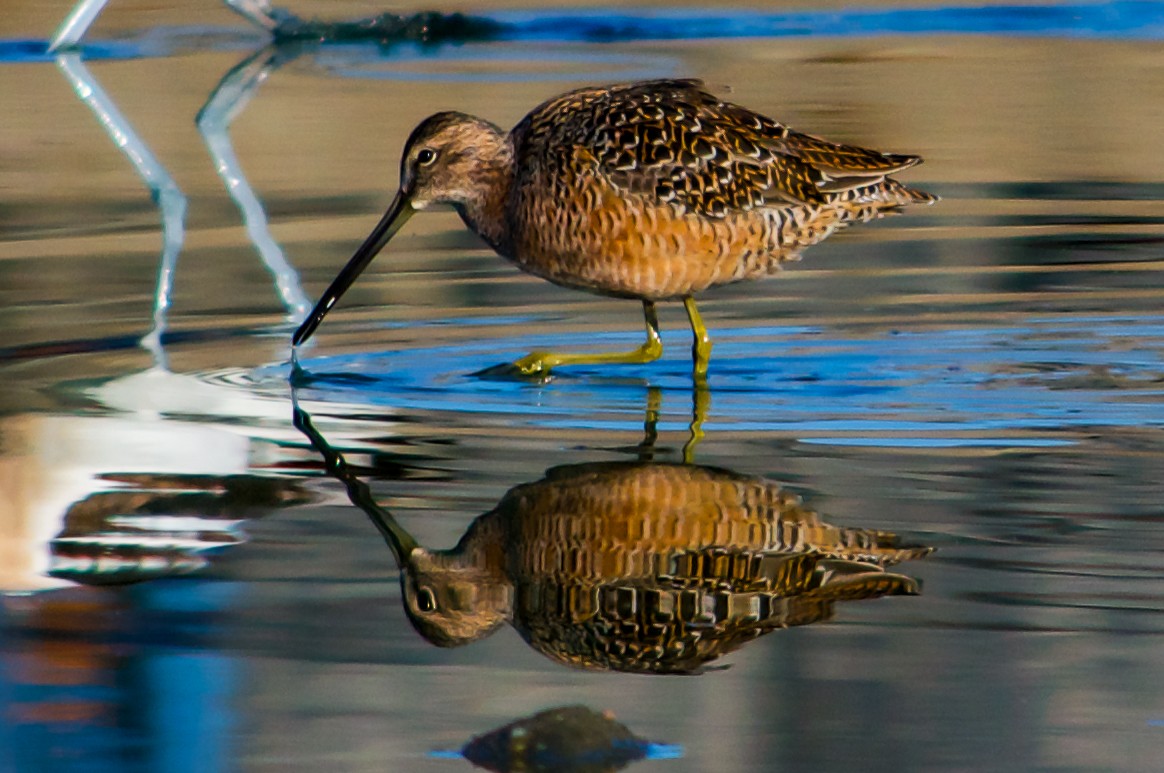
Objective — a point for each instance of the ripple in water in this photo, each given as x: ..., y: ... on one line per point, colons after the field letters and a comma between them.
x: 1032, y: 385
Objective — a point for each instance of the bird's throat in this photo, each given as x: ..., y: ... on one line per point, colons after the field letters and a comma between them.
x: 486, y: 209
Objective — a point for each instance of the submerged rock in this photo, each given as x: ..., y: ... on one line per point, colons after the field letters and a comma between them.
x: 569, y: 739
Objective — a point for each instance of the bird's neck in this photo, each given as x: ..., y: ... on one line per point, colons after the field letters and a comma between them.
x: 486, y: 210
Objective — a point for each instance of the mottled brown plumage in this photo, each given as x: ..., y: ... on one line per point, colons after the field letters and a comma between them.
x: 659, y: 190
x: 654, y: 190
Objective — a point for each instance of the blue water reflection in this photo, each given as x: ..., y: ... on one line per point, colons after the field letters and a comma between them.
x: 1012, y: 385
x: 146, y: 689
x: 1118, y: 19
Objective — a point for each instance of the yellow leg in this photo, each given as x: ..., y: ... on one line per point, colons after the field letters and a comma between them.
x: 700, y: 405
x: 540, y: 363
x: 701, y: 348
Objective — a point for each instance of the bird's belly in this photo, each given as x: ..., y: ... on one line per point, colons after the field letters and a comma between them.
x: 648, y: 252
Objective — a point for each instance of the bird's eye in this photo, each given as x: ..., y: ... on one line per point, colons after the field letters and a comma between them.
x: 426, y: 156
x: 425, y: 600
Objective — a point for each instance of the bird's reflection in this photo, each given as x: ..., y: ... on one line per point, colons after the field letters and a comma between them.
x: 634, y: 566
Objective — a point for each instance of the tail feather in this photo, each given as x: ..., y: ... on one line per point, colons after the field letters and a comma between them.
x: 886, y: 193
x: 846, y: 160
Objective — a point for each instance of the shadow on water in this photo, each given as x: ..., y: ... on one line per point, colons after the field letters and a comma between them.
x: 642, y: 567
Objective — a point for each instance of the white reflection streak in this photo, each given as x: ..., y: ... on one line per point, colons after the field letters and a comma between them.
x: 226, y: 102
x: 75, y: 25
x: 170, y: 199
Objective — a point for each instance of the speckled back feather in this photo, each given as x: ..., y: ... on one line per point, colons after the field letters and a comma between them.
x: 675, y: 142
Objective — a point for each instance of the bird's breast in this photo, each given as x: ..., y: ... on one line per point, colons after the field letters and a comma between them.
x: 582, y: 232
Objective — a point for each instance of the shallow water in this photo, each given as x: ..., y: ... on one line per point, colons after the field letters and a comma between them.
x: 187, y: 588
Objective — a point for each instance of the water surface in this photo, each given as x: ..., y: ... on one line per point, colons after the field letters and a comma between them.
x: 187, y: 588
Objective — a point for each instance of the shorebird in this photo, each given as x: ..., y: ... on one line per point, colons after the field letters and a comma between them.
x: 654, y: 190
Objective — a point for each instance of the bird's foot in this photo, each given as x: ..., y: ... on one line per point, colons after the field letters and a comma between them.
x: 535, y: 366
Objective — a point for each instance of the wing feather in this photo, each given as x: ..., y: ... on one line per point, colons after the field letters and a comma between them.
x: 675, y: 142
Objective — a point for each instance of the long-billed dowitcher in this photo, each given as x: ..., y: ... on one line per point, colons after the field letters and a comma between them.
x: 653, y: 190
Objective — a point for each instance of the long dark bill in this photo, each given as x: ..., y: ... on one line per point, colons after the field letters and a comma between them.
x: 397, y: 215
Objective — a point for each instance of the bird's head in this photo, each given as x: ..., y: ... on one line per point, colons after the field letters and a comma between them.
x: 452, y: 601
x: 450, y: 158
x: 447, y: 159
